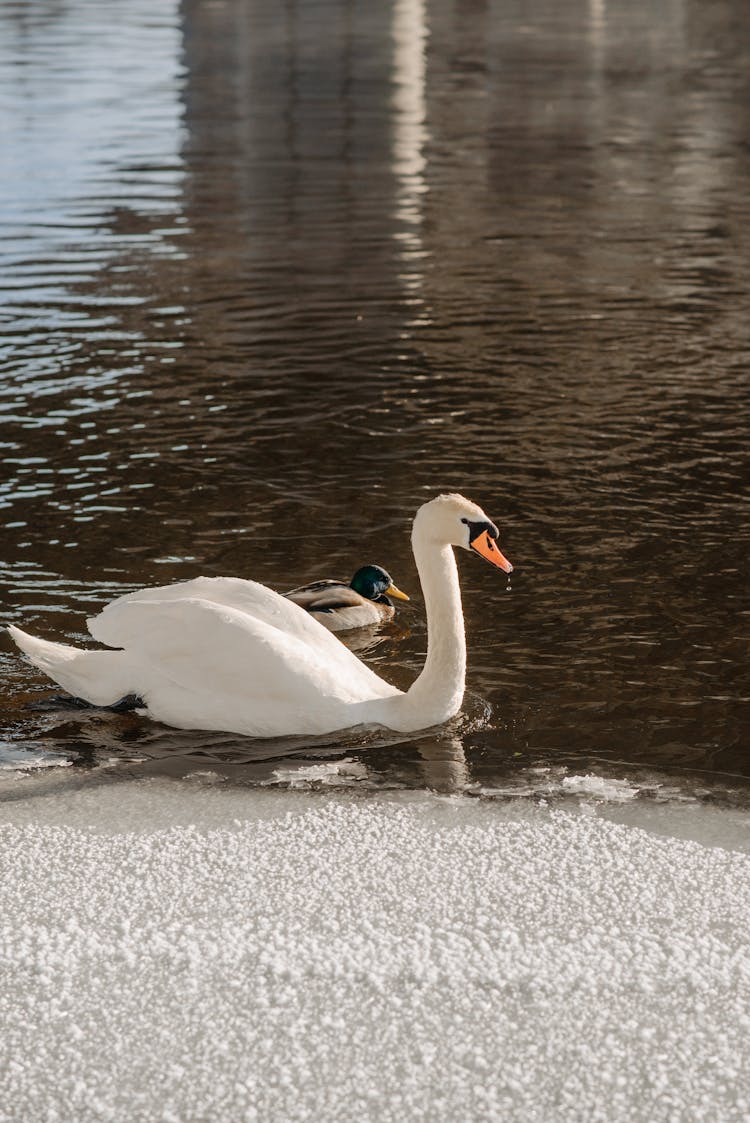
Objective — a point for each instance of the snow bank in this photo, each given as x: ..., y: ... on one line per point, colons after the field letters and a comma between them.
x: 345, y: 957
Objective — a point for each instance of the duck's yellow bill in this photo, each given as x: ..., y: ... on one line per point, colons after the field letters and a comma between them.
x: 485, y: 546
x: 392, y: 591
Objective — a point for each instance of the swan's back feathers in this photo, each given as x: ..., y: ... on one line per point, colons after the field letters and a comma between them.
x: 250, y: 597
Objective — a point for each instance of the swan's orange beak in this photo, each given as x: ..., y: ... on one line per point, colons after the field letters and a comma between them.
x: 485, y: 546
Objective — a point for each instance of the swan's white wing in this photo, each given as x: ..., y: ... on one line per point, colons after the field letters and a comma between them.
x: 224, y: 653
x: 250, y: 597
x: 206, y: 665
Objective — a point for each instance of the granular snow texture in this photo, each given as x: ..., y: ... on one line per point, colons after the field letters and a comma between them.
x: 342, y: 958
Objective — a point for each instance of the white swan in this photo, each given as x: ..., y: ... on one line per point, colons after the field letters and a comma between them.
x: 227, y: 654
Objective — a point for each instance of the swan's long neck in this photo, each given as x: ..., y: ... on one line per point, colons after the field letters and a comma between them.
x: 438, y: 692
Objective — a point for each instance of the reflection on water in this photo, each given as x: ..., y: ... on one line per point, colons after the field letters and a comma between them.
x: 267, y: 267
x: 410, y: 135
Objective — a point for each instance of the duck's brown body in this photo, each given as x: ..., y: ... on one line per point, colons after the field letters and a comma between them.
x: 338, y: 607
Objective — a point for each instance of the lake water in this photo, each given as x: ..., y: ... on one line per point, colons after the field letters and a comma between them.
x: 273, y: 275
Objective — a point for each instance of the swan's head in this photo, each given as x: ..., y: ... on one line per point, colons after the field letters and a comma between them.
x: 454, y: 520
x: 373, y: 583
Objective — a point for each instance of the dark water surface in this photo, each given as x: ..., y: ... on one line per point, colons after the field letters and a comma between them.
x: 274, y: 274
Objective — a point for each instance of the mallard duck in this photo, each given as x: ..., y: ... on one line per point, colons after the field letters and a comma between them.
x: 339, y: 607
x: 227, y: 654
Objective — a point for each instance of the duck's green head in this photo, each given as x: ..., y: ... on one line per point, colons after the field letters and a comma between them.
x: 374, y: 583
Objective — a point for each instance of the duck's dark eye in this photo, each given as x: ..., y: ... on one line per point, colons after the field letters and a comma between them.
x: 465, y: 521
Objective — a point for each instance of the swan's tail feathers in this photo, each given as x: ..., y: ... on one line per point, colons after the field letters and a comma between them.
x: 101, y: 677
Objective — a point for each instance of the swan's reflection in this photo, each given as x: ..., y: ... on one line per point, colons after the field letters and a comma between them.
x: 443, y: 764
x: 363, y: 757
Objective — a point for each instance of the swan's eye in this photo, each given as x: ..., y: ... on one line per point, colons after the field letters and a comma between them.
x: 465, y: 521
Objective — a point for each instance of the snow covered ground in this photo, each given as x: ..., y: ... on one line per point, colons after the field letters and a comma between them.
x: 186, y: 952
